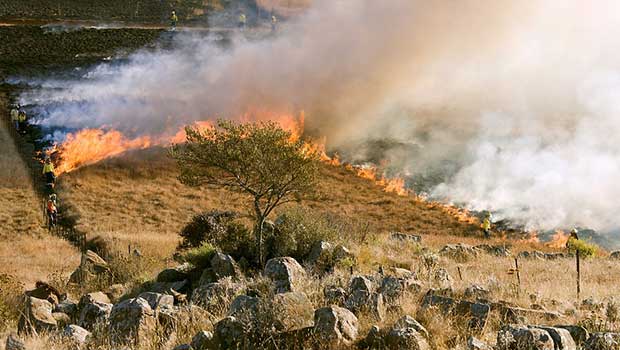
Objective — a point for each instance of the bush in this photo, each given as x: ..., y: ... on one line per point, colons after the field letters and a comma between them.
x: 584, y: 248
x: 200, y: 257
x: 208, y: 227
x: 297, y: 230
x: 10, y: 300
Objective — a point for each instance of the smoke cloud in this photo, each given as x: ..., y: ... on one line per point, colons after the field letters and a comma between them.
x: 517, y: 103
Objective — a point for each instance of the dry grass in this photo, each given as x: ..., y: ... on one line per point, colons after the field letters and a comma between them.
x: 26, y: 250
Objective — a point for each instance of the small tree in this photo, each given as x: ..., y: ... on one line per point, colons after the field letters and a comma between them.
x: 260, y: 159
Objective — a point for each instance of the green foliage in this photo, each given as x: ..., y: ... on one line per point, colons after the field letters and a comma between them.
x: 297, y: 230
x: 200, y: 257
x: 586, y: 249
x: 259, y: 159
x: 207, y: 227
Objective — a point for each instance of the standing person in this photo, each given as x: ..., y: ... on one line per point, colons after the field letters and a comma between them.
x: 486, y: 225
x: 48, y: 172
x: 274, y: 23
x: 242, y: 21
x: 572, y: 238
x: 173, y: 20
x: 21, y: 121
x: 15, y: 117
x: 51, y: 213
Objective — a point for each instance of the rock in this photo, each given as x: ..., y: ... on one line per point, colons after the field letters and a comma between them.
x: 203, y: 340
x: 14, y: 343
x: 37, y: 317
x: 175, y: 274
x: 224, y: 266
x: 67, y: 307
x: 405, y: 237
x: 286, y: 274
x: 46, y: 292
x: 94, y: 297
x: 335, y: 326
x: 513, y: 314
x: 93, y: 312
x: 476, y: 313
x: 578, y: 333
x: 158, y: 301
x: 115, y: 292
x: 168, y: 287
x: 334, y: 295
x: 522, y: 337
x: 615, y: 255
x: 215, y: 297
x: 132, y: 321
x: 459, y: 252
x: 495, y: 250
x: 476, y: 344
x: 374, y: 339
x: 244, y: 307
x: 562, y: 338
x: 407, y: 333
x: 360, y: 283
x: 61, y: 318
x: 292, y: 311
x: 341, y: 253
x: 172, y: 319
x: 183, y: 347
x: 76, y: 334
x: 442, y: 279
x: 531, y: 255
x: 229, y: 333
x: 321, y: 256
x: 92, y: 266
x: 476, y: 292
x: 392, y: 289
x: 603, y: 341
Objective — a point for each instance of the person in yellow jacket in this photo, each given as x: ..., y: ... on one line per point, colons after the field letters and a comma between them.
x: 486, y: 225
x: 21, y: 121
x: 48, y: 171
x: 242, y: 20
x: 173, y: 20
x: 15, y: 117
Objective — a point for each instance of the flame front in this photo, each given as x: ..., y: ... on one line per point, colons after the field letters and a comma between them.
x: 89, y: 146
x: 558, y: 240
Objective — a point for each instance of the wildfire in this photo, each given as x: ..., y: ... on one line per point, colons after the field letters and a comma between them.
x: 181, y: 136
x: 558, y: 240
x: 92, y: 145
x: 461, y: 214
x: 390, y: 185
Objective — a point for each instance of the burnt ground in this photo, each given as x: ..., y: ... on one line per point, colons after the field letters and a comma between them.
x: 30, y: 50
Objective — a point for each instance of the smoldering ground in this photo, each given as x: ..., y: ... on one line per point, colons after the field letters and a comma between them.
x: 515, y: 104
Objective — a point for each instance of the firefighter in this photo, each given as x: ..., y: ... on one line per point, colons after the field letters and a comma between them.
x: 21, y: 121
x: 52, y: 212
x: 48, y: 172
x: 486, y: 225
x: 15, y: 117
x: 572, y: 238
x: 173, y: 20
x: 242, y: 21
x: 274, y: 23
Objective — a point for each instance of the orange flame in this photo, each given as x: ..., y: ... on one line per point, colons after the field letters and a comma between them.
x: 92, y: 145
x: 389, y: 185
x: 558, y: 240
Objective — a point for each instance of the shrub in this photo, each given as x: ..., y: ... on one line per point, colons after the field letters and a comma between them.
x: 207, y: 227
x: 10, y: 300
x: 297, y: 230
x: 200, y: 257
x: 584, y: 248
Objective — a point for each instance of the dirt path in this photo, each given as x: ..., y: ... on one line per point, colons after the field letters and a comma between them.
x: 26, y: 250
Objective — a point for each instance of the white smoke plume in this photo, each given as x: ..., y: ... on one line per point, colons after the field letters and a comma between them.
x: 522, y: 97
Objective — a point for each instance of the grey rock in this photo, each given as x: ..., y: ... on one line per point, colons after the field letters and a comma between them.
x: 562, y: 338
x: 476, y: 313
x: 523, y: 337
x: 476, y: 344
x: 603, y: 341
x: 286, y: 273
x: 94, y: 313
x: 68, y: 307
x: 321, y: 255
x: 374, y: 339
x: 410, y: 322
x: 37, y: 317
x: 215, y: 297
x: 76, y: 334
x: 476, y: 292
x: 224, y: 266
x: 92, y: 266
x: 360, y: 283
x: 203, y: 340
x: 406, y: 339
x: 175, y: 274
x: 334, y: 295
x: 14, y: 343
x: 292, y: 311
x: 335, y: 326
x: 459, y: 252
x: 62, y: 319
x: 132, y: 321
x: 229, y: 333
x: 405, y: 237
x: 578, y: 333
x: 244, y: 307
x: 158, y: 301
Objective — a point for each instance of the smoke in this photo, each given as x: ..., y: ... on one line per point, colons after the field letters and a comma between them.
x: 515, y: 102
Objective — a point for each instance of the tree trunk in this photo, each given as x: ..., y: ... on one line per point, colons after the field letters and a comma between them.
x: 258, y: 232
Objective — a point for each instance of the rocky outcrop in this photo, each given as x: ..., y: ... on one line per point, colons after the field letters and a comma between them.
x: 76, y: 334
x: 476, y: 314
x: 407, y: 333
x: 229, y: 333
x: 286, y: 274
x: 175, y: 274
x: 94, y: 308
x: 335, y: 326
x: 158, y: 301
x: 215, y: 297
x: 92, y: 267
x: 132, y: 321
x: 37, y: 317
x: 223, y: 266
x: 14, y: 343
x: 362, y: 298
x: 292, y: 311
x: 523, y: 337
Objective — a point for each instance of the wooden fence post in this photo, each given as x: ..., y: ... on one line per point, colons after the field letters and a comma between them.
x: 578, y: 274
x: 518, y: 273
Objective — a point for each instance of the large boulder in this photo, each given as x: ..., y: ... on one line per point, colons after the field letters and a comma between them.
x: 407, y: 333
x: 603, y: 341
x: 562, y: 338
x: 68, y: 307
x: 321, y: 256
x: 335, y: 326
x: 36, y: 317
x: 76, y: 334
x: 203, y: 340
x: 215, y: 297
x: 244, y: 307
x: 175, y: 274
x: 477, y: 344
x: 292, y: 311
x: 92, y: 267
x: 224, y: 265
x: 523, y: 338
x: 459, y: 252
x: 93, y: 310
x: 286, y: 273
x: 476, y: 314
x: 46, y: 292
x: 578, y: 333
x: 229, y: 333
x: 132, y: 321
